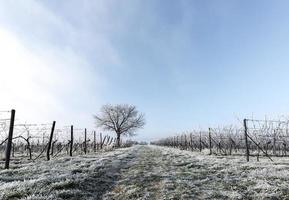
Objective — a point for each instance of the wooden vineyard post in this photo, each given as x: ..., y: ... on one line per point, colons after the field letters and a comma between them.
x: 274, y: 143
x: 246, y: 140
x: 258, y: 152
x: 100, y: 138
x: 186, y: 142
x: 52, y: 147
x: 50, y: 141
x: 94, y: 141
x: 13, y: 149
x: 85, y: 145
x: 71, y: 140
x: 191, y: 138
x: 200, y: 141
x: 9, y: 141
x: 210, y: 141
x: 231, y: 146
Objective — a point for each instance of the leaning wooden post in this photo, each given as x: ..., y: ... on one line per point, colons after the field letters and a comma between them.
x: 50, y: 141
x: 71, y: 140
x: 210, y: 141
x: 85, y: 145
x: 246, y: 140
x: 9, y: 141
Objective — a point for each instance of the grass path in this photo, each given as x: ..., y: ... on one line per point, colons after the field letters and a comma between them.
x: 165, y: 173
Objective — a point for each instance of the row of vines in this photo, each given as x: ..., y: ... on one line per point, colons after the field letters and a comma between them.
x: 256, y: 138
x: 20, y: 142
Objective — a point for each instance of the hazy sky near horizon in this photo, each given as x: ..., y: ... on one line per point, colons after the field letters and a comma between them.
x: 185, y: 64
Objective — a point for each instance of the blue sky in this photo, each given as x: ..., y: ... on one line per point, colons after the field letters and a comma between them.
x: 185, y: 64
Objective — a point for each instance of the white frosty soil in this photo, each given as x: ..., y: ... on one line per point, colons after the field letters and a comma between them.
x: 147, y: 172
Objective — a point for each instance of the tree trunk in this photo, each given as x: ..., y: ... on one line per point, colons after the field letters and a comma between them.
x: 118, y: 140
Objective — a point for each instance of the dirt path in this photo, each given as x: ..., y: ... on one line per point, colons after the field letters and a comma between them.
x: 146, y: 172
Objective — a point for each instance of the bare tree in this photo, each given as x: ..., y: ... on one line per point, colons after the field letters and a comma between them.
x: 123, y: 119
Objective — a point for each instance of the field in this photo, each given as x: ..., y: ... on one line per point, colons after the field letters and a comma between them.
x: 147, y: 172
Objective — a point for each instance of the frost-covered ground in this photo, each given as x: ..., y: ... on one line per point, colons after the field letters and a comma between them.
x: 147, y: 172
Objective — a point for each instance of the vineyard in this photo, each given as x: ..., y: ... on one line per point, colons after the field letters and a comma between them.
x: 83, y: 166
x: 256, y: 138
x: 27, y: 142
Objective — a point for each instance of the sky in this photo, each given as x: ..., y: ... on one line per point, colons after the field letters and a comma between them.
x: 185, y: 64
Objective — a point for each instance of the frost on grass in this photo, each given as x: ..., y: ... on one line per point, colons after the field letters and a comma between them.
x: 166, y: 173
x: 85, y: 177
x: 147, y: 172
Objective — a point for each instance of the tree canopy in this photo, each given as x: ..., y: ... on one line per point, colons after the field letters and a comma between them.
x: 123, y: 119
